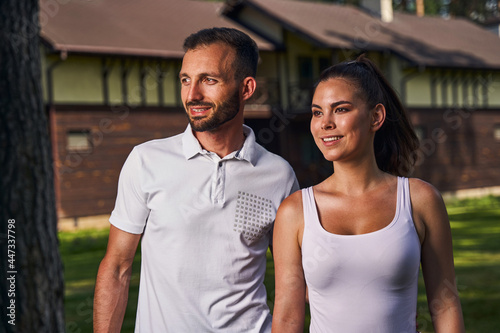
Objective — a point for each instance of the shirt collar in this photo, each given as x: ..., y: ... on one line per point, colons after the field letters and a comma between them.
x: 249, y: 150
x: 191, y: 146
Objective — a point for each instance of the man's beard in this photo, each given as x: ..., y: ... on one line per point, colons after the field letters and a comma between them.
x: 221, y: 115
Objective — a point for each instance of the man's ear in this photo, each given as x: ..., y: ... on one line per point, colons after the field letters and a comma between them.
x: 378, y: 116
x: 248, y: 87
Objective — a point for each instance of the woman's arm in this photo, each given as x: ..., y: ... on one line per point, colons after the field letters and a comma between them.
x: 437, y: 258
x: 289, y: 306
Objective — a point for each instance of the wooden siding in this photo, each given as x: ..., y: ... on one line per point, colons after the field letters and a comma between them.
x: 458, y: 149
x: 86, y: 180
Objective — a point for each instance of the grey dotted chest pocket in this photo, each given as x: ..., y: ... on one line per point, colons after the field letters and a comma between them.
x: 254, y: 216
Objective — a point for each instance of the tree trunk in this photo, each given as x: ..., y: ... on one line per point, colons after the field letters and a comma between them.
x: 31, y: 285
x: 420, y: 8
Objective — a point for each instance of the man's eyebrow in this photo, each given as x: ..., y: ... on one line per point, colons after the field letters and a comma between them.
x: 213, y: 74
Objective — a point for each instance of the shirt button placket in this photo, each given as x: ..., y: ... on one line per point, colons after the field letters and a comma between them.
x: 219, y: 183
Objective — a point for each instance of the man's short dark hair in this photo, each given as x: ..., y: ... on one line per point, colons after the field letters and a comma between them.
x: 247, y: 53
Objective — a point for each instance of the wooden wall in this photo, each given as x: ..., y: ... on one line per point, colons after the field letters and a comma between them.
x: 87, y: 179
x: 458, y: 149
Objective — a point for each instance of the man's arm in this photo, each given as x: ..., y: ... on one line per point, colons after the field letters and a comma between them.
x: 113, y: 279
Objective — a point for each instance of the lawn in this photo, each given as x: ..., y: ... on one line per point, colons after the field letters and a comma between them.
x: 476, y: 239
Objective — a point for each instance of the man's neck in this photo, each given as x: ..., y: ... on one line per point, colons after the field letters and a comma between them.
x: 222, y: 141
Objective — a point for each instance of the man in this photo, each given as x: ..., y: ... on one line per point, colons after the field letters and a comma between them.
x: 204, y: 203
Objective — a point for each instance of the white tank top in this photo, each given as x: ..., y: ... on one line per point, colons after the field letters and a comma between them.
x: 362, y: 283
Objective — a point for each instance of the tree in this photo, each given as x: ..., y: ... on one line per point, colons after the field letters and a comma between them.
x: 31, y: 291
x: 477, y: 10
x: 432, y: 7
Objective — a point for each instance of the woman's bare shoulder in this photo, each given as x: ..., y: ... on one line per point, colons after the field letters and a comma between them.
x: 423, y: 193
x: 292, y: 204
x: 427, y: 202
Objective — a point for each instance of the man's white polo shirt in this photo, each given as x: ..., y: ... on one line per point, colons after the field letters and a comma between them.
x: 206, y: 225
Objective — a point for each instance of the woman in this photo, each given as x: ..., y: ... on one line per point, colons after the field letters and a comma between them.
x: 357, y: 239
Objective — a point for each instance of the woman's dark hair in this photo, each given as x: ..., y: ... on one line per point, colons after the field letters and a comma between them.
x: 395, y: 142
x: 247, y: 52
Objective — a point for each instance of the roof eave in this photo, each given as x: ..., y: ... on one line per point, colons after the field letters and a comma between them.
x: 109, y: 51
x: 463, y: 67
x: 232, y: 8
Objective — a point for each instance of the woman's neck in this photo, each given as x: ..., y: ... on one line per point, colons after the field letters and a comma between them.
x: 357, y: 177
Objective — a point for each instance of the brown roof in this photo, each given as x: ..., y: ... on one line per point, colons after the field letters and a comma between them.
x: 153, y: 28
x: 424, y: 41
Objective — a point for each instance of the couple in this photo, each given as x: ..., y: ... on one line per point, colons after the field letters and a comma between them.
x: 204, y: 202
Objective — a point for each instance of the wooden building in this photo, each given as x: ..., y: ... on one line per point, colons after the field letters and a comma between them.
x: 110, y: 82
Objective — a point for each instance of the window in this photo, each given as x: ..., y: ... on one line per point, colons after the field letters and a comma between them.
x: 324, y: 63
x: 306, y: 73
x: 78, y: 140
x: 496, y: 132
x: 421, y: 132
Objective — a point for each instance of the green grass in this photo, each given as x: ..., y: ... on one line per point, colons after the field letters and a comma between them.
x: 82, y: 252
x: 476, y: 238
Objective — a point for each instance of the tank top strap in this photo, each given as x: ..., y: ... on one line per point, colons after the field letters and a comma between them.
x: 404, y: 195
x: 309, y: 206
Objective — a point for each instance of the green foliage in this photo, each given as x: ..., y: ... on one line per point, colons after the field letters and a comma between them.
x: 476, y: 230
x: 432, y: 7
x: 477, y: 10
